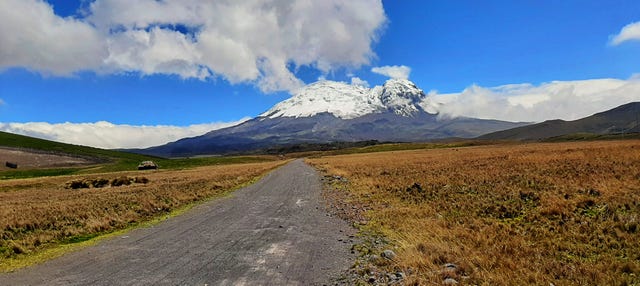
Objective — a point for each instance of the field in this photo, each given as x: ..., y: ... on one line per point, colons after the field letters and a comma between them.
x: 38, y: 214
x: 34, y: 159
x: 542, y: 214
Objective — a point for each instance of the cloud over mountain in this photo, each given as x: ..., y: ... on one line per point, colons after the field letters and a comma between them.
x: 398, y: 72
x: 568, y: 100
x: 241, y: 41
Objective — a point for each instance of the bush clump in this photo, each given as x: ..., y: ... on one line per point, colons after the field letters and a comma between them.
x: 99, y: 183
x: 140, y: 180
x: 121, y: 181
x: 78, y: 184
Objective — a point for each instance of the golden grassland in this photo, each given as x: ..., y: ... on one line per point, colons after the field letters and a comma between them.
x: 530, y: 214
x: 43, y: 213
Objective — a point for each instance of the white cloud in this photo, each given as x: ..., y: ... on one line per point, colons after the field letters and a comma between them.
x: 252, y: 41
x: 103, y: 134
x: 155, y: 51
x: 359, y: 82
x: 568, y: 100
x: 628, y: 33
x: 35, y: 38
x: 393, y: 71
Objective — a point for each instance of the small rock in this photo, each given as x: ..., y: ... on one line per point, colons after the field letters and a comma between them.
x: 388, y: 254
x: 450, y: 281
x: 399, y: 275
x: 450, y: 266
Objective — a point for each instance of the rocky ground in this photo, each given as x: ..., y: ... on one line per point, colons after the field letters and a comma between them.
x: 375, y: 263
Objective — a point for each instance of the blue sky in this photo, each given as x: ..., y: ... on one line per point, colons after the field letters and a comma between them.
x: 449, y: 46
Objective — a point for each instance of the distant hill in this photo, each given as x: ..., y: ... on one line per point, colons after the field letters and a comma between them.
x: 95, y: 154
x: 622, y: 119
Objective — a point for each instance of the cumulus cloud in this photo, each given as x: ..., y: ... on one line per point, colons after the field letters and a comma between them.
x: 401, y: 72
x: 35, y: 38
x: 568, y: 100
x: 107, y: 135
x: 253, y: 41
x: 628, y: 33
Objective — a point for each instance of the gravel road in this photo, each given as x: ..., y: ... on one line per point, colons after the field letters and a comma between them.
x: 275, y: 232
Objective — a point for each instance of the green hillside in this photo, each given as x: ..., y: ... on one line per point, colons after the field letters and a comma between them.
x: 106, y: 160
x: 20, y: 141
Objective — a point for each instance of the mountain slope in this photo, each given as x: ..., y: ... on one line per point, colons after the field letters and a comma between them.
x: 623, y: 118
x: 99, y: 155
x: 329, y: 111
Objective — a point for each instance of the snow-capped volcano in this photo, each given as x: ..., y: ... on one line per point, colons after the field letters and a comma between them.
x: 347, y: 101
x: 329, y: 111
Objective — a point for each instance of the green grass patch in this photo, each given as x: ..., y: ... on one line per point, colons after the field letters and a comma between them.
x: 34, y: 173
x: 80, y: 238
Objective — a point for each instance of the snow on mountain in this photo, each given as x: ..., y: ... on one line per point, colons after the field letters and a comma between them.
x: 340, y: 99
x: 348, y: 101
x: 402, y: 97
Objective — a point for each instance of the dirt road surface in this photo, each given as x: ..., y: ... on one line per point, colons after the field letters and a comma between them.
x: 275, y: 232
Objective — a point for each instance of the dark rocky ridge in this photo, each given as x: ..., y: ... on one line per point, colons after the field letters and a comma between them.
x: 622, y: 119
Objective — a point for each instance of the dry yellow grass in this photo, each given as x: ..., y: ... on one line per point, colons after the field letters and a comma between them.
x: 38, y: 213
x: 531, y: 214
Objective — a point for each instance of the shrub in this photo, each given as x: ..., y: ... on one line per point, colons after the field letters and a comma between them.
x: 77, y: 184
x: 99, y: 183
x: 121, y: 181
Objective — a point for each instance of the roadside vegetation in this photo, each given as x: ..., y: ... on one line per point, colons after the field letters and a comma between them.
x: 518, y: 214
x: 38, y: 214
